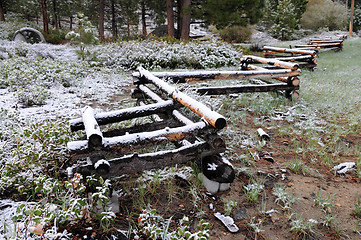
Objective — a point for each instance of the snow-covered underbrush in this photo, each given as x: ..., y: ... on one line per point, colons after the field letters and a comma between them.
x: 158, y: 54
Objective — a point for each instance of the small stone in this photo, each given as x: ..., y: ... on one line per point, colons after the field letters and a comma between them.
x: 240, y: 214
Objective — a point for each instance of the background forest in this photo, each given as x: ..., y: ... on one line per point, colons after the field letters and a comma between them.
x: 125, y: 19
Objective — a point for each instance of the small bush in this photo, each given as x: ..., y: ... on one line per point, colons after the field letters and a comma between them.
x: 324, y: 14
x: 54, y: 36
x: 236, y: 34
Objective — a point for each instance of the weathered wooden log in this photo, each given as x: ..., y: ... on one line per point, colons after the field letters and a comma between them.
x: 281, y: 64
x: 292, y: 81
x: 324, y: 45
x: 245, y: 88
x: 92, y: 129
x: 317, y: 41
x: 138, y: 162
x: 305, y: 58
x: 178, y: 115
x: 213, y: 118
x: 124, y: 114
x: 126, y: 141
x: 267, y: 49
x: 182, y: 77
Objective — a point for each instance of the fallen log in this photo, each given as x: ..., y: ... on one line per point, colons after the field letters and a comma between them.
x: 275, y: 62
x: 321, y: 45
x: 182, y: 77
x: 245, y: 88
x: 306, y: 58
x: 266, y: 49
x: 213, y: 118
x: 179, y: 116
x: 293, y: 81
x: 129, y: 140
x: 124, y: 114
x: 138, y: 162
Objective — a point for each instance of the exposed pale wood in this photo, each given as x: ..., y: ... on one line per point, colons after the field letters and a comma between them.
x: 223, y: 75
x: 305, y: 58
x: 128, y: 141
x: 275, y: 62
x: 178, y: 115
x: 92, y: 129
x: 294, y: 81
x: 213, y: 118
x: 124, y: 114
x: 290, y: 50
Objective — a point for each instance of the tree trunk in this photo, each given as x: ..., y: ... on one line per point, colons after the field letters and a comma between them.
x: 170, y: 18
x: 101, y: 20
x: 2, y: 16
x: 114, y: 25
x: 351, y: 19
x: 55, y: 15
x: 144, y: 23
x: 179, y: 17
x: 186, y: 19
x: 45, y: 17
x: 71, y: 23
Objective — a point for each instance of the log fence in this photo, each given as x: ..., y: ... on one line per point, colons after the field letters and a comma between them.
x: 183, y: 138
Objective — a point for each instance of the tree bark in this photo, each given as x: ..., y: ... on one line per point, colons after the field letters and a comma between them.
x: 186, y: 19
x: 170, y: 18
x: 351, y: 19
x: 114, y: 25
x: 179, y: 17
x: 101, y: 20
x: 2, y: 15
x: 144, y: 23
x: 55, y: 15
x: 45, y: 17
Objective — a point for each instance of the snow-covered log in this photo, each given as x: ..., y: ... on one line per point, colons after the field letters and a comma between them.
x: 245, y: 88
x: 270, y: 50
x: 129, y: 140
x: 221, y: 75
x: 92, y: 129
x: 125, y: 114
x: 213, y: 118
x: 139, y: 162
x: 273, y: 62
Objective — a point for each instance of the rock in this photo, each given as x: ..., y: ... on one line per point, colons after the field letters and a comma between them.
x: 240, y: 214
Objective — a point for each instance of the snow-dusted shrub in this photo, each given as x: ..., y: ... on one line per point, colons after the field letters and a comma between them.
x: 237, y: 34
x: 325, y: 14
x: 154, y: 226
x: 29, y: 78
x: 154, y: 54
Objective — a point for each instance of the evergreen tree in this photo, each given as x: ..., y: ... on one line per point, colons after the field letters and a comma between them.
x: 232, y: 12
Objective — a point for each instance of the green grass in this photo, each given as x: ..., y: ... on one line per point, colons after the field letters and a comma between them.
x: 335, y: 87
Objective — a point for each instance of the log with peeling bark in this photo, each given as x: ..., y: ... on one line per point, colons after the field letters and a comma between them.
x: 125, y: 114
x: 176, y: 114
x: 273, y: 62
x: 271, y: 50
x: 213, y: 118
x: 292, y: 81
